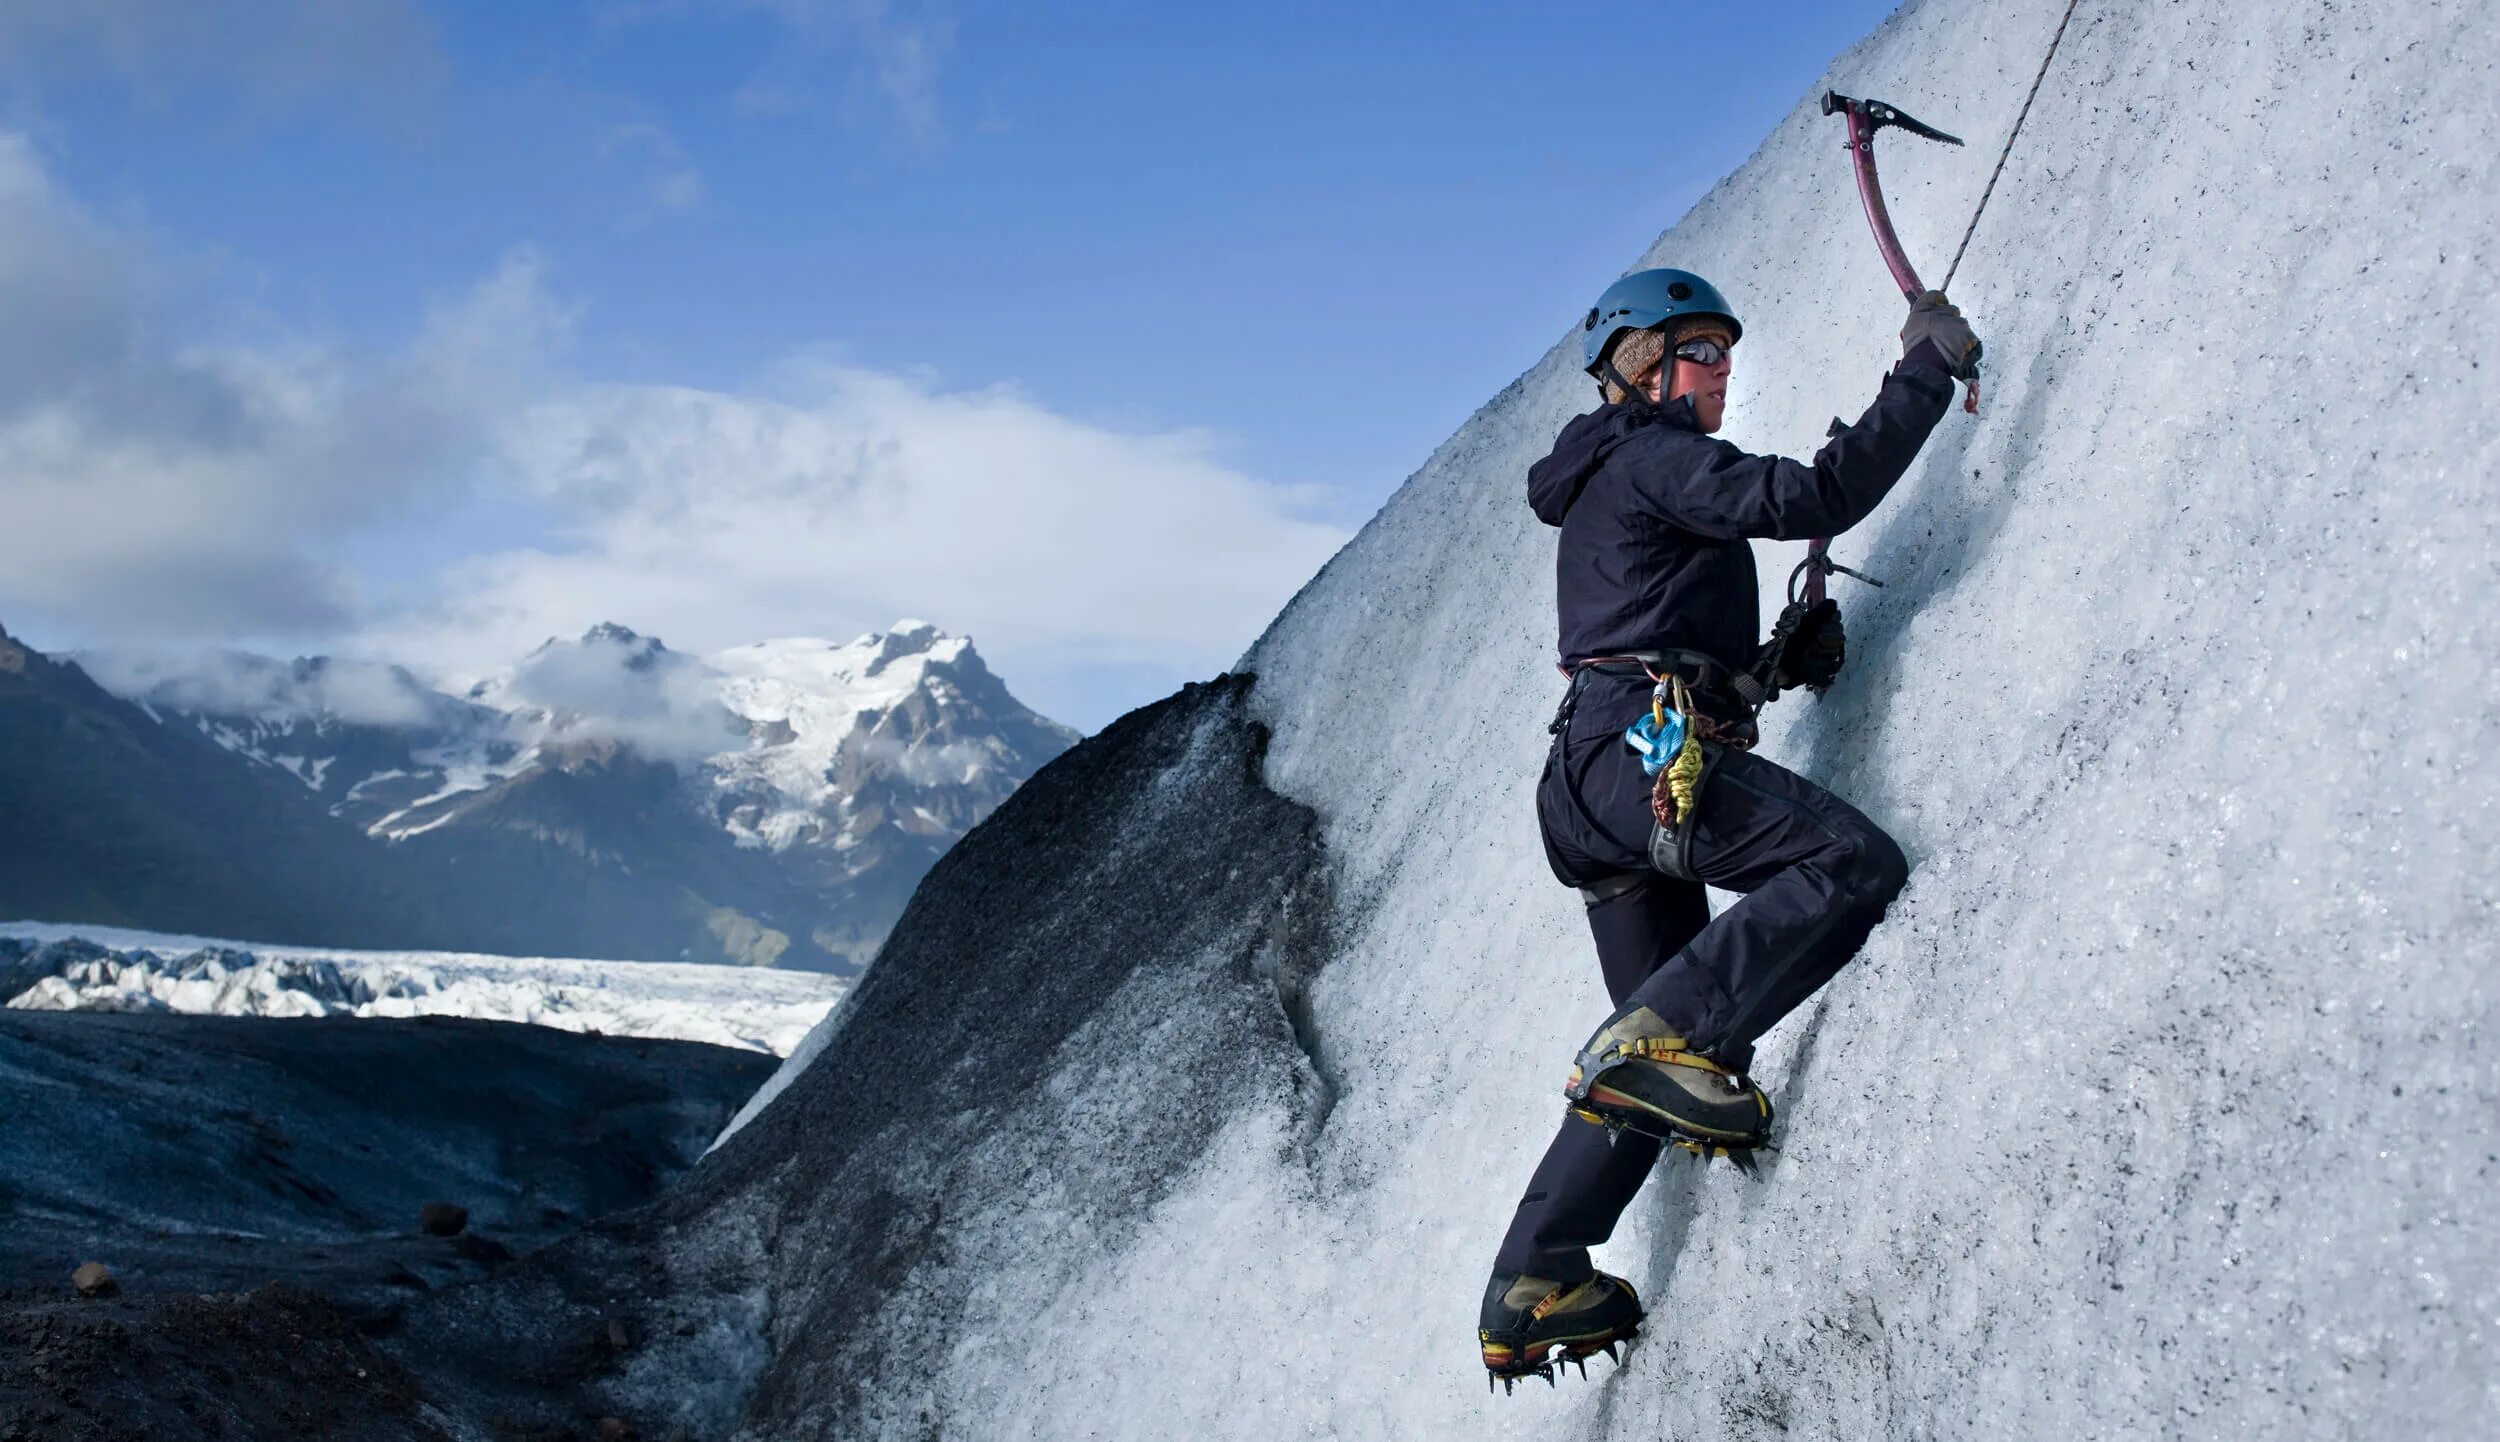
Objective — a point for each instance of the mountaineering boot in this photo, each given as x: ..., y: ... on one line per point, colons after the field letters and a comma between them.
x: 1637, y: 1074
x: 1531, y: 1326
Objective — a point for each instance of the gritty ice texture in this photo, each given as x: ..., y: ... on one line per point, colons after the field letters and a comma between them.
x: 2165, y: 1104
x: 146, y: 971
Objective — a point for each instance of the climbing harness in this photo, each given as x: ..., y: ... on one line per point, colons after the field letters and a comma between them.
x: 1678, y: 741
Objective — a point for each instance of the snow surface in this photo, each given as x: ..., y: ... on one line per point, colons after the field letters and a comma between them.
x: 2167, y: 1102
x: 770, y: 1011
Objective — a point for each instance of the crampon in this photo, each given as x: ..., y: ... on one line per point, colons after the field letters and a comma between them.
x: 1514, y: 1366
x: 1739, y: 1154
x: 1533, y: 1327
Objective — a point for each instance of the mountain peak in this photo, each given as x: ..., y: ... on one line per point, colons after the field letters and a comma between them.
x: 642, y: 652
x: 912, y: 638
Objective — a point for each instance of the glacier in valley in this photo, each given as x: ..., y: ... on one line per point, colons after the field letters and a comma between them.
x: 1195, y: 1088
x: 50, y: 967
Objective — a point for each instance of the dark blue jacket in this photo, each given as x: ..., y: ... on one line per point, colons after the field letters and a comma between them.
x: 1656, y: 516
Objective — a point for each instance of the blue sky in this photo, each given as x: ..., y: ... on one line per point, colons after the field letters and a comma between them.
x: 1280, y: 251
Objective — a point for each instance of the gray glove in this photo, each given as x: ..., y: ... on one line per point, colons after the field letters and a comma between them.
x: 1936, y: 335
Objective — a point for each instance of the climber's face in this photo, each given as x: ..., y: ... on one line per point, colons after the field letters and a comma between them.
x: 1704, y: 380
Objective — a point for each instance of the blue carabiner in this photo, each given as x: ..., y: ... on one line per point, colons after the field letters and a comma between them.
x: 1657, y: 741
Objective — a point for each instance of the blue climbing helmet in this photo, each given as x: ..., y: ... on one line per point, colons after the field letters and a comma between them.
x: 1647, y: 298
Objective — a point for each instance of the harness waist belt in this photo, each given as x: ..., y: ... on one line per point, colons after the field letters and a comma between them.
x: 1697, y: 669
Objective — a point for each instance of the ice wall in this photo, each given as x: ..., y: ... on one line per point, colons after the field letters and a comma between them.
x: 2163, y: 1105
x: 2166, y: 1102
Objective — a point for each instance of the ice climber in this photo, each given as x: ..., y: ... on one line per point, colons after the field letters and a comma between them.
x: 1656, y: 588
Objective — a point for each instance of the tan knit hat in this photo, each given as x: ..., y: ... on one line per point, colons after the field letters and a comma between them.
x: 1637, y: 350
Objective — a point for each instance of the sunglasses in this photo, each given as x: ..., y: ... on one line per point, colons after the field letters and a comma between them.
x: 1701, y: 352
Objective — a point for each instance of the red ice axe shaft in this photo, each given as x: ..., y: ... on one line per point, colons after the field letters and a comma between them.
x: 1865, y: 118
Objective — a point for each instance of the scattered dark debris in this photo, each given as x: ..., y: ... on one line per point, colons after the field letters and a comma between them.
x: 277, y: 1362
x: 443, y: 1219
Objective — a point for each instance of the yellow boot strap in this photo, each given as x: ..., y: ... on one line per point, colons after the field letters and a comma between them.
x: 1669, y: 1051
x: 1553, y: 1299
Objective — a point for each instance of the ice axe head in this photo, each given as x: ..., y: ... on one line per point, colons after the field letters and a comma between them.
x: 1875, y: 114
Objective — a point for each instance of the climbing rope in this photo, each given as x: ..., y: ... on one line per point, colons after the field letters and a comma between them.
x: 2025, y: 114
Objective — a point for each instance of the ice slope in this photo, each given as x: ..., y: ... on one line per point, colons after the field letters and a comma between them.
x: 2165, y: 1104
x: 50, y: 967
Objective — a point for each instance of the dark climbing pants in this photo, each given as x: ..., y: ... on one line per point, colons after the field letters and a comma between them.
x: 1816, y: 877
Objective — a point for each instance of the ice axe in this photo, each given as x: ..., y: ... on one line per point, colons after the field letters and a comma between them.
x: 1865, y: 118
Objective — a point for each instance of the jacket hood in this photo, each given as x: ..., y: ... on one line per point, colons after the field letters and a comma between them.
x: 1555, y: 483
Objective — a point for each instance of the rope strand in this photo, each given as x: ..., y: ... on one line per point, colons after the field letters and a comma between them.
x: 2025, y: 114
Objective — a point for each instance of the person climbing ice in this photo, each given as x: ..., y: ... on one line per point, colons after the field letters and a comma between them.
x: 1652, y: 790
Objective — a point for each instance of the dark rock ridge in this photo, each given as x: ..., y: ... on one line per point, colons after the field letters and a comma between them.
x: 1144, y: 903
x: 110, y: 817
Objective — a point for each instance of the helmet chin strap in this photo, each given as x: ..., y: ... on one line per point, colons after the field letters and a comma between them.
x: 1630, y: 391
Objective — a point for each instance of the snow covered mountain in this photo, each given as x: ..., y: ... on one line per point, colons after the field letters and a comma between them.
x: 867, y: 761
x: 797, y: 790
x: 1194, y: 1093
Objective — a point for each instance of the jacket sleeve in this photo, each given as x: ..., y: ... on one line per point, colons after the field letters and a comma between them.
x: 1713, y: 489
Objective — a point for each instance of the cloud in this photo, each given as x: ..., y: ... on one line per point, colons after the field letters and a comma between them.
x: 268, y: 55
x: 237, y: 683
x: 159, y: 488
x: 671, y: 182
x: 155, y: 484
x: 612, y: 685
x: 678, y: 189
x: 892, y: 50
x: 852, y: 496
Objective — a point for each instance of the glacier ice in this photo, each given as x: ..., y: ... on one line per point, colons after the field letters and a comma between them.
x: 2165, y: 1102
x: 89, y: 968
